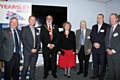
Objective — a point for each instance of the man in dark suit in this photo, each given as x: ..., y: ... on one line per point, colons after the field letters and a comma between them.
x: 112, y: 42
x: 83, y: 47
x: 10, y: 49
x: 31, y: 46
x: 49, y: 37
x: 98, y: 50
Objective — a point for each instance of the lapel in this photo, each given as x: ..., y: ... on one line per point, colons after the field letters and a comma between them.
x: 86, y: 35
x: 19, y: 34
x: 30, y: 32
x: 102, y: 27
x: 115, y: 30
x: 97, y: 29
x: 36, y: 34
x: 11, y: 35
x: 79, y: 33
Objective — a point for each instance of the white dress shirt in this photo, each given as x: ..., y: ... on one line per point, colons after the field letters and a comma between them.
x: 84, y: 32
x: 99, y: 27
x: 14, y: 37
x: 33, y: 34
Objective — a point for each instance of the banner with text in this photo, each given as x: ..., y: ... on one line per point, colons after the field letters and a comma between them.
x: 20, y: 10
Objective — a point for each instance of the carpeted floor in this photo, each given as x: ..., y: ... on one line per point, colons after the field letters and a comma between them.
x: 60, y: 72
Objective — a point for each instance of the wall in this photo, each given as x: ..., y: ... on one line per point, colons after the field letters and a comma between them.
x: 77, y: 9
x: 112, y: 7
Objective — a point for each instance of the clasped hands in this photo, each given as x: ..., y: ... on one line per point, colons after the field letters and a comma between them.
x: 51, y: 46
x: 96, y: 45
x: 33, y: 50
x: 109, y: 51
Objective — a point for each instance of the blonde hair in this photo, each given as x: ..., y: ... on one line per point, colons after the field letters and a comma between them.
x: 64, y: 24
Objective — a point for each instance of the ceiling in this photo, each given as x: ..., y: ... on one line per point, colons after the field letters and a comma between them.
x: 103, y: 1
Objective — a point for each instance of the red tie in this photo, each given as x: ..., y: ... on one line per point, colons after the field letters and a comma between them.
x: 50, y: 33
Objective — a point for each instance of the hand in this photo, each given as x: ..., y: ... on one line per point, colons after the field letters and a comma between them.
x: 77, y: 51
x: 73, y: 52
x: 59, y: 52
x: 51, y: 46
x: 89, y: 51
x: 33, y: 50
x: 96, y: 45
x: 110, y: 52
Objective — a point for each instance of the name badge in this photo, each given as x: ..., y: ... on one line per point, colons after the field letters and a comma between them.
x: 88, y: 37
x: 115, y: 34
x: 101, y: 30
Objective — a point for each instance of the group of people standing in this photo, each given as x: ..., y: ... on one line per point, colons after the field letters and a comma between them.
x: 102, y: 41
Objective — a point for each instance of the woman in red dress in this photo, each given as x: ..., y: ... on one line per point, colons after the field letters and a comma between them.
x: 67, y: 48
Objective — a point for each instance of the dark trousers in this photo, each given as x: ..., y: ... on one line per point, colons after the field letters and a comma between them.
x: 82, y: 57
x: 50, y: 60
x: 12, y: 68
x: 29, y: 61
x: 113, y: 67
x: 99, y: 60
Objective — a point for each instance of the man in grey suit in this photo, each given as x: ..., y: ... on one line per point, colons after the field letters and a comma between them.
x: 31, y: 46
x: 112, y: 42
x: 83, y: 47
x: 10, y: 49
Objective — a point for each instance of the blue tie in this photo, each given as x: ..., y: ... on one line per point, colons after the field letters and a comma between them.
x: 82, y: 38
x: 110, y: 35
x: 16, y: 42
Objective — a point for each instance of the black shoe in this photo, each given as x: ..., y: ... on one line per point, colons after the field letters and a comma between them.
x: 44, y: 77
x: 68, y: 76
x: 55, y: 76
x: 32, y: 79
x: 93, y: 77
x: 79, y: 72
x: 100, y: 78
x: 85, y: 75
x: 65, y: 74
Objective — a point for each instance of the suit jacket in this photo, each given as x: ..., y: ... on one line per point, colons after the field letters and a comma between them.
x: 115, y: 40
x: 7, y: 44
x: 28, y: 41
x: 99, y: 37
x: 87, y: 42
x: 45, y: 38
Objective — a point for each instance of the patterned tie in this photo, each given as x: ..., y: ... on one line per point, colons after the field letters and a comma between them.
x: 82, y: 38
x: 50, y: 33
x: 16, y: 42
x: 110, y: 35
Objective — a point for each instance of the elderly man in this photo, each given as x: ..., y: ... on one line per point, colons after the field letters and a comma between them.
x: 10, y: 49
x: 49, y: 38
x: 83, y: 47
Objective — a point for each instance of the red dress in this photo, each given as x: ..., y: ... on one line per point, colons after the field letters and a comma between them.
x: 68, y: 60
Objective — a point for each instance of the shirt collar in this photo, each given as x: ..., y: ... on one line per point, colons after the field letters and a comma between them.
x: 31, y: 27
x: 49, y: 25
x: 12, y: 29
x: 99, y: 25
x: 115, y: 26
x: 83, y: 30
